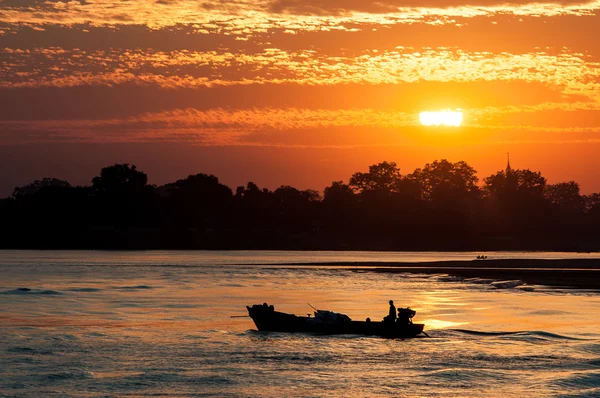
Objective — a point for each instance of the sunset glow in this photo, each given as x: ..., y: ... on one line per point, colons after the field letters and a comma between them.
x: 175, y: 87
x: 442, y: 118
x: 274, y: 197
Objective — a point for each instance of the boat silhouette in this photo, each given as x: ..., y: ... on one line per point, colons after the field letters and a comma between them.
x: 330, y: 323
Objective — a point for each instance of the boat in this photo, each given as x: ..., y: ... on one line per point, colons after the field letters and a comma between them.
x: 330, y: 323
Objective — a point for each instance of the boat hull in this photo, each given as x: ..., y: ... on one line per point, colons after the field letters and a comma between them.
x: 269, y: 320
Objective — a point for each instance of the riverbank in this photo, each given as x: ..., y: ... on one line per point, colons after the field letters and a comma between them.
x: 568, y: 273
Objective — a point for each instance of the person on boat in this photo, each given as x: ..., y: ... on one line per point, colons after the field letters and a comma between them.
x: 392, y: 314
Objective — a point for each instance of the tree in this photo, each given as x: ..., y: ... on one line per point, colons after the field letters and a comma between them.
x: 254, y: 207
x: 565, y: 196
x: 199, y: 187
x: 122, y: 197
x: 444, y: 180
x: 516, y: 203
x: 37, y: 185
x: 199, y: 200
x: 288, y: 196
x: 592, y: 201
x: 384, y: 176
x: 120, y: 178
x: 525, y: 182
x: 338, y: 194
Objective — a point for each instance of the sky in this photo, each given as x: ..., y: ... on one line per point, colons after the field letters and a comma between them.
x: 296, y: 92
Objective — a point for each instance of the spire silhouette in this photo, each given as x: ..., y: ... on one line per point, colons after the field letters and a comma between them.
x: 510, y: 184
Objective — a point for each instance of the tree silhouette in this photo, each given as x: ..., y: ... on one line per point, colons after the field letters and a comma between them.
x: 37, y: 185
x: 591, y: 201
x: 565, y: 195
x: 199, y: 200
x: 437, y: 207
x: 384, y: 176
x: 525, y: 182
x: 338, y: 194
x: 119, y: 178
x: 442, y: 178
x: 122, y: 197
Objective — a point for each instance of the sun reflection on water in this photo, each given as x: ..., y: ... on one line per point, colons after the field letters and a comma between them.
x: 440, y: 324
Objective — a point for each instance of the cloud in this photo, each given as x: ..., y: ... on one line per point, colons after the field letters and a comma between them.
x: 309, y: 127
x: 247, y: 17
x: 127, y: 100
x: 571, y: 73
x: 344, y: 7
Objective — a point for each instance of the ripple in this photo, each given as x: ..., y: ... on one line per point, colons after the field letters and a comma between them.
x: 67, y: 376
x: 28, y: 291
x: 29, y: 351
x: 464, y: 375
x: 586, y: 380
x: 479, y: 281
x: 507, y: 284
x: 138, y: 287
x: 551, y: 335
x: 479, y: 333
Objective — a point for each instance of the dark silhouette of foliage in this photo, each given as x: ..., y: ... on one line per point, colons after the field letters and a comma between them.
x: 120, y: 178
x: 565, y: 196
x: 525, y: 182
x: 338, y: 194
x: 441, y: 179
x: 384, y: 176
x: 437, y: 207
x: 37, y: 185
x: 591, y: 202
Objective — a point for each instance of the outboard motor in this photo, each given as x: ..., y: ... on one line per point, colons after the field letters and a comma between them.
x: 405, y: 316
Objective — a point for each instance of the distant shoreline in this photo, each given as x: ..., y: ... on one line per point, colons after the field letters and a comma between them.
x: 568, y: 273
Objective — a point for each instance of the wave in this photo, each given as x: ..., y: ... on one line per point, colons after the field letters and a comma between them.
x: 587, y: 380
x: 29, y: 351
x: 507, y: 284
x: 498, y: 284
x: 549, y: 335
x: 450, y: 278
x: 463, y: 375
x: 547, y: 312
x: 479, y: 281
x: 53, y: 377
x: 232, y: 285
x: 138, y: 287
x: 26, y: 290
x: 479, y: 333
x: 591, y: 392
x: 536, y: 333
x: 84, y: 289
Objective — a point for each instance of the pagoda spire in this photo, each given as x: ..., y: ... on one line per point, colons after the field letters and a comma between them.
x: 510, y: 183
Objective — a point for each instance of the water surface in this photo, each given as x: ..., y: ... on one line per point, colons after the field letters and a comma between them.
x: 159, y: 323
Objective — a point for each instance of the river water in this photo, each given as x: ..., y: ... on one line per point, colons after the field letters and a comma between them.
x: 78, y: 323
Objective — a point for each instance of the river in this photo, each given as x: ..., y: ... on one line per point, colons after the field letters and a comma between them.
x: 77, y: 323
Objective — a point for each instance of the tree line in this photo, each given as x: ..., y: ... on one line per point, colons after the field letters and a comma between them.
x: 442, y: 206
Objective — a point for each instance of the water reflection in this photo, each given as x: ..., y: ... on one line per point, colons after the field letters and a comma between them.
x: 440, y: 324
x: 156, y: 330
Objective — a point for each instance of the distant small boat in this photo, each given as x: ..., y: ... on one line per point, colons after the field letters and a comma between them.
x: 326, y: 322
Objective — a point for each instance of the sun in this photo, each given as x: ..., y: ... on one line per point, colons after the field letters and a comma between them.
x: 442, y: 118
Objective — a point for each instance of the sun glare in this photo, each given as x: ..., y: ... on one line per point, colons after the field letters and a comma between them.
x: 442, y: 118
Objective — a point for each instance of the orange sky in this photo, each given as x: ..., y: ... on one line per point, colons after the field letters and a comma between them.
x: 298, y: 92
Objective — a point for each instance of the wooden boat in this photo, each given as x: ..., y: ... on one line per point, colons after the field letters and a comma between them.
x: 326, y: 322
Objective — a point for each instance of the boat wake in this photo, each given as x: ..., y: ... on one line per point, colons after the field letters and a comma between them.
x: 532, y: 334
